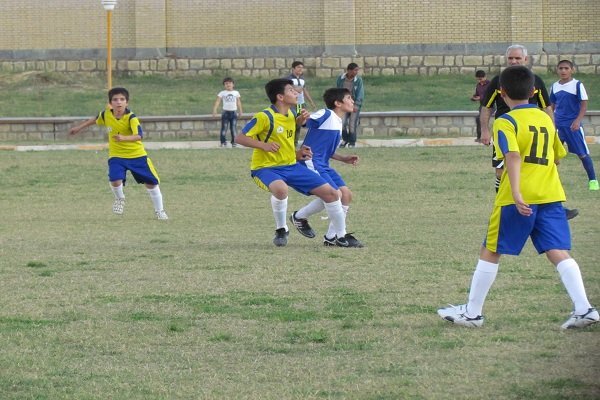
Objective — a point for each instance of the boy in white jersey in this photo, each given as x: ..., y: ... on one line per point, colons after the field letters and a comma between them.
x: 528, y: 204
x: 126, y: 151
x: 232, y: 109
x: 569, y: 102
x: 323, y: 138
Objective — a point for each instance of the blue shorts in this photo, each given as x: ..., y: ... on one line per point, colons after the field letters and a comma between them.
x: 575, y: 140
x: 329, y: 174
x: 547, y: 226
x: 296, y: 176
x: 141, y: 169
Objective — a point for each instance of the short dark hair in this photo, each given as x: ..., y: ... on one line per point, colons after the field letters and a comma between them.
x: 565, y: 62
x: 118, y: 90
x: 352, y: 66
x: 228, y: 79
x: 296, y: 63
x: 517, y: 82
x: 332, y: 95
x: 275, y: 87
x: 480, y: 73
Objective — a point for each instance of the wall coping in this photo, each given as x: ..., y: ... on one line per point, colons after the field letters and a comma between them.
x: 167, y: 118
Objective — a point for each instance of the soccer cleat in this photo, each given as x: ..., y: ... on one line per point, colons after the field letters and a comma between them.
x: 302, y: 225
x: 593, y: 185
x: 161, y: 214
x: 118, y: 206
x: 280, y: 238
x: 581, y: 321
x: 352, y: 241
x: 571, y: 212
x: 329, y: 242
x: 457, y: 315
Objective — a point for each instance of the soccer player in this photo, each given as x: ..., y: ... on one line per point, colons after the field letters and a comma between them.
x: 323, y: 138
x: 528, y: 204
x: 569, y: 102
x: 126, y: 151
x: 274, y: 167
x: 515, y: 55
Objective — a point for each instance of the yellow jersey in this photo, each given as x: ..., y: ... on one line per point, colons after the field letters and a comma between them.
x: 127, y: 125
x: 529, y: 131
x: 271, y: 126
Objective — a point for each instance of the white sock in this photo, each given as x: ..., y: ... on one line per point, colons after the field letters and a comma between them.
x: 483, y: 278
x: 336, y: 218
x: 118, y: 191
x: 156, y: 197
x: 570, y: 276
x: 279, y: 212
x: 331, y: 228
x: 312, y: 208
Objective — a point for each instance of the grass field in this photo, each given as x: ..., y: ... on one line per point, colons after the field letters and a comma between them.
x: 203, y: 306
x: 35, y: 94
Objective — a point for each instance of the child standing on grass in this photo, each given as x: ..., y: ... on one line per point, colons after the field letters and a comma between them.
x: 323, y: 138
x: 569, y: 102
x: 528, y: 204
x: 126, y: 151
x: 274, y: 167
x: 479, y: 95
x: 231, y: 104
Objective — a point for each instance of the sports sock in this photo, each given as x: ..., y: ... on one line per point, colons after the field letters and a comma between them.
x: 279, y: 212
x: 331, y: 228
x: 156, y: 197
x: 118, y: 191
x: 588, y: 165
x: 483, y: 278
x: 312, y: 208
x: 336, y: 217
x: 570, y: 276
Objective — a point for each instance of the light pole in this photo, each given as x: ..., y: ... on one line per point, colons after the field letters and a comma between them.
x: 109, y: 6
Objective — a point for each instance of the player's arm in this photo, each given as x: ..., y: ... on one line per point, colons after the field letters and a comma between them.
x: 513, y: 170
x: 302, y: 117
x: 484, y: 119
x: 582, y: 110
x: 348, y: 159
x: 248, y: 141
x: 76, y: 129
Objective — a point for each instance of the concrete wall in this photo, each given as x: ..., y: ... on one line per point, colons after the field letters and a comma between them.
x: 394, y: 124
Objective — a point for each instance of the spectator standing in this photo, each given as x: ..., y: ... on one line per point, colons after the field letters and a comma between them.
x: 354, y: 83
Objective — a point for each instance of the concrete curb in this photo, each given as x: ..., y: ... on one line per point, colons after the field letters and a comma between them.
x: 198, y: 145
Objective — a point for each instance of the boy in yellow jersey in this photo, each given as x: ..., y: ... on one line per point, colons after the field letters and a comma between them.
x: 125, y: 151
x: 528, y: 204
x: 274, y: 168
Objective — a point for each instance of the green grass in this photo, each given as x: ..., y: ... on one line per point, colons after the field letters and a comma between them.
x: 37, y: 94
x: 203, y: 306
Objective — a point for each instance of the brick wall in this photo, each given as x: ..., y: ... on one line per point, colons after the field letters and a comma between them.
x: 261, y: 38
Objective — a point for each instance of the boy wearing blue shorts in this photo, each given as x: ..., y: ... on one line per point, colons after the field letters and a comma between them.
x: 569, y: 102
x: 323, y: 138
x: 274, y: 165
x: 126, y: 151
x: 528, y: 204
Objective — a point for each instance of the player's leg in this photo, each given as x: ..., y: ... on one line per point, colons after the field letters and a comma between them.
x: 274, y: 180
x: 497, y: 242
x: 144, y: 172
x: 552, y: 236
x: 117, y: 171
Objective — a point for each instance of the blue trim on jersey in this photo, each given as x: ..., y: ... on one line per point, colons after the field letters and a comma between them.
x: 502, y: 140
x: 249, y: 126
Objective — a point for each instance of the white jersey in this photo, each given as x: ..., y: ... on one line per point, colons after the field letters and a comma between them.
x: 567, y: 100
x: 229, y: 98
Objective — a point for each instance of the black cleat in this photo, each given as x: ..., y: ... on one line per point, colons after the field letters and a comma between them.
x: 571, y: 212
x: 302, y: 225
x: 329, y: 242
x: 352, y: 241
x: 280, y: 238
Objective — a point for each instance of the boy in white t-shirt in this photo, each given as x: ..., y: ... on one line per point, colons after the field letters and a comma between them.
x: 232, y: 109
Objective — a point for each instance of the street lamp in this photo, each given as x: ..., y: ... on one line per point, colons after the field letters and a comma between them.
x: 109, y: 6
